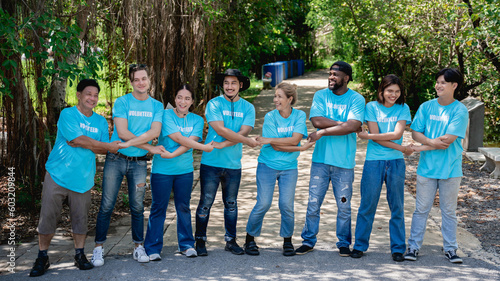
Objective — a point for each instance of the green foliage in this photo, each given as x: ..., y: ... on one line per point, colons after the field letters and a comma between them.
x: 124, y: 198
x: 255, y: 88
x: 259, y: 32
x: 52, y: 35
x: 414, y: 39
x: 491, y: 100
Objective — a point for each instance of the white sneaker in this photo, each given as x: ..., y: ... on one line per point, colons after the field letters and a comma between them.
x: 155, y: 257
x: 140, y: 254
x: 190, y: 253
x: 97, y: 256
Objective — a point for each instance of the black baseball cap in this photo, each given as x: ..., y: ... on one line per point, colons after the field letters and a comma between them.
x: 344, y: 67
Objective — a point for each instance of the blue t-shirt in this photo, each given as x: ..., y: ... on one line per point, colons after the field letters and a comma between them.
x: 339, y: 151
x: 435, y: 120
x: 386, y: 119
x: 74, y: 167
x: 275, y: 126
x: 219, y: 109
x: 140, y: 114
x: 190, y: 125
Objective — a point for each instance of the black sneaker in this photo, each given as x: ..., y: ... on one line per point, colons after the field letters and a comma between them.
x: 398, y: 257
x: 344, y: 251
x: 453, y: 257
x: 82, y: 262
x: 200, y: 248
x: 40, y: 266
x: 356, y: 254
x: 251, y: 248
x: 411, y: 254
x: 288, y: 249
x: 304, y: 249
x: 233, y: 247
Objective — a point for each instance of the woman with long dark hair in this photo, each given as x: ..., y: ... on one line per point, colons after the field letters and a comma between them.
x: 173, y: 169
x: 386, y: 119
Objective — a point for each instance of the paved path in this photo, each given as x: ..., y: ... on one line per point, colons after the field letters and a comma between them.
x: 323, y: 263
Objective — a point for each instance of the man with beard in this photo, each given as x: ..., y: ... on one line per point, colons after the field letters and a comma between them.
x: 230, y: 119
x: 337, y: 113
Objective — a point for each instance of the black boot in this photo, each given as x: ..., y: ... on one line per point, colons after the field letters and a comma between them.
x: 201, y: 248
x: 288, y: 249
x: 82, y: 262
x: 40, y: 266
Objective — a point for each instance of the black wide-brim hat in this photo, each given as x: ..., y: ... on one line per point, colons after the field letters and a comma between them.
x: 219, y: 78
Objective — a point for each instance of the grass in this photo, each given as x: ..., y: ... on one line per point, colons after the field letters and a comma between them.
x: 119, y: 89
x: 251, y: 93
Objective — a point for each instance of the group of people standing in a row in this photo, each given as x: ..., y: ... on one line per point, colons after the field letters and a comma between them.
x: 337, y: 112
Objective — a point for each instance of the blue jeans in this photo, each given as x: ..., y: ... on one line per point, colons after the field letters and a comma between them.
x: 161, y: 187
x: 448, y: 194
x: 375, y: 173
x: 321, y: 175
x: 115, y: 168
x: 229, y: 179
x: 266, y: 180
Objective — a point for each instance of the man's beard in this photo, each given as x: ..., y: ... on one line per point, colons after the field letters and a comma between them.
x: 335, y: 87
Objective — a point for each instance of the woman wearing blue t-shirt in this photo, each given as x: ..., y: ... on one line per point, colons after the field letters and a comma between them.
x: 181, y: 132
x: 282, y: 131
x: 386, y: 119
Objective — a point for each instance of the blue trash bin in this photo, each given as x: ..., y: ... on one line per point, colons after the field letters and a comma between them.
x: 295, y: 67
x: 298, y: 67
x: 276, y: 70
x: 286, y: 75
x: 301, y: 67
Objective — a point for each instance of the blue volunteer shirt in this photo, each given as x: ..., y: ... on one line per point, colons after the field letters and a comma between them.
x: 219, y: 109
x: 190, y: 125
x: 140, y: 115
x: 338, y: 151
x: 435, y: 120
x: 275, y: 126
x: 74, y: 167
x: 386, y: 119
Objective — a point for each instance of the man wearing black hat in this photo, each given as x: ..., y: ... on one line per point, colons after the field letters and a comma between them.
x: 230, y: 119
x: 337, y: 112
x: 70, y: 173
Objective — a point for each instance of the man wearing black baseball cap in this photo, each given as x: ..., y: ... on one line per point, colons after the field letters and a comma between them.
x: 230, y: 119
x: 337, y: 112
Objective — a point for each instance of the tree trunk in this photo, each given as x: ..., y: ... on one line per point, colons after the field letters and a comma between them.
x: 56, y: 97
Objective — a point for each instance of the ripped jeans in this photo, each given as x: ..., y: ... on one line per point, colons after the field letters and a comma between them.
x: 321, y: 175
x: 229, y: 179
x: 115, y: 168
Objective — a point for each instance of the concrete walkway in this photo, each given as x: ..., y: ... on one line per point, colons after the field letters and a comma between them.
x: 323, y: 263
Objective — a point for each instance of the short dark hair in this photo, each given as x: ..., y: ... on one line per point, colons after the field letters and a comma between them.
x: 133, y: 68
x: 452, y: 75
x: 190, y: 90
x: 87, y: 82
x: 387, y: 81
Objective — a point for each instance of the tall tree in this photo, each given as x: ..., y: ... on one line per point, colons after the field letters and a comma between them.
x: 28, y: 32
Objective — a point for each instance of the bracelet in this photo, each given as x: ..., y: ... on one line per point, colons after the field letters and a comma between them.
x: 405, y: 149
